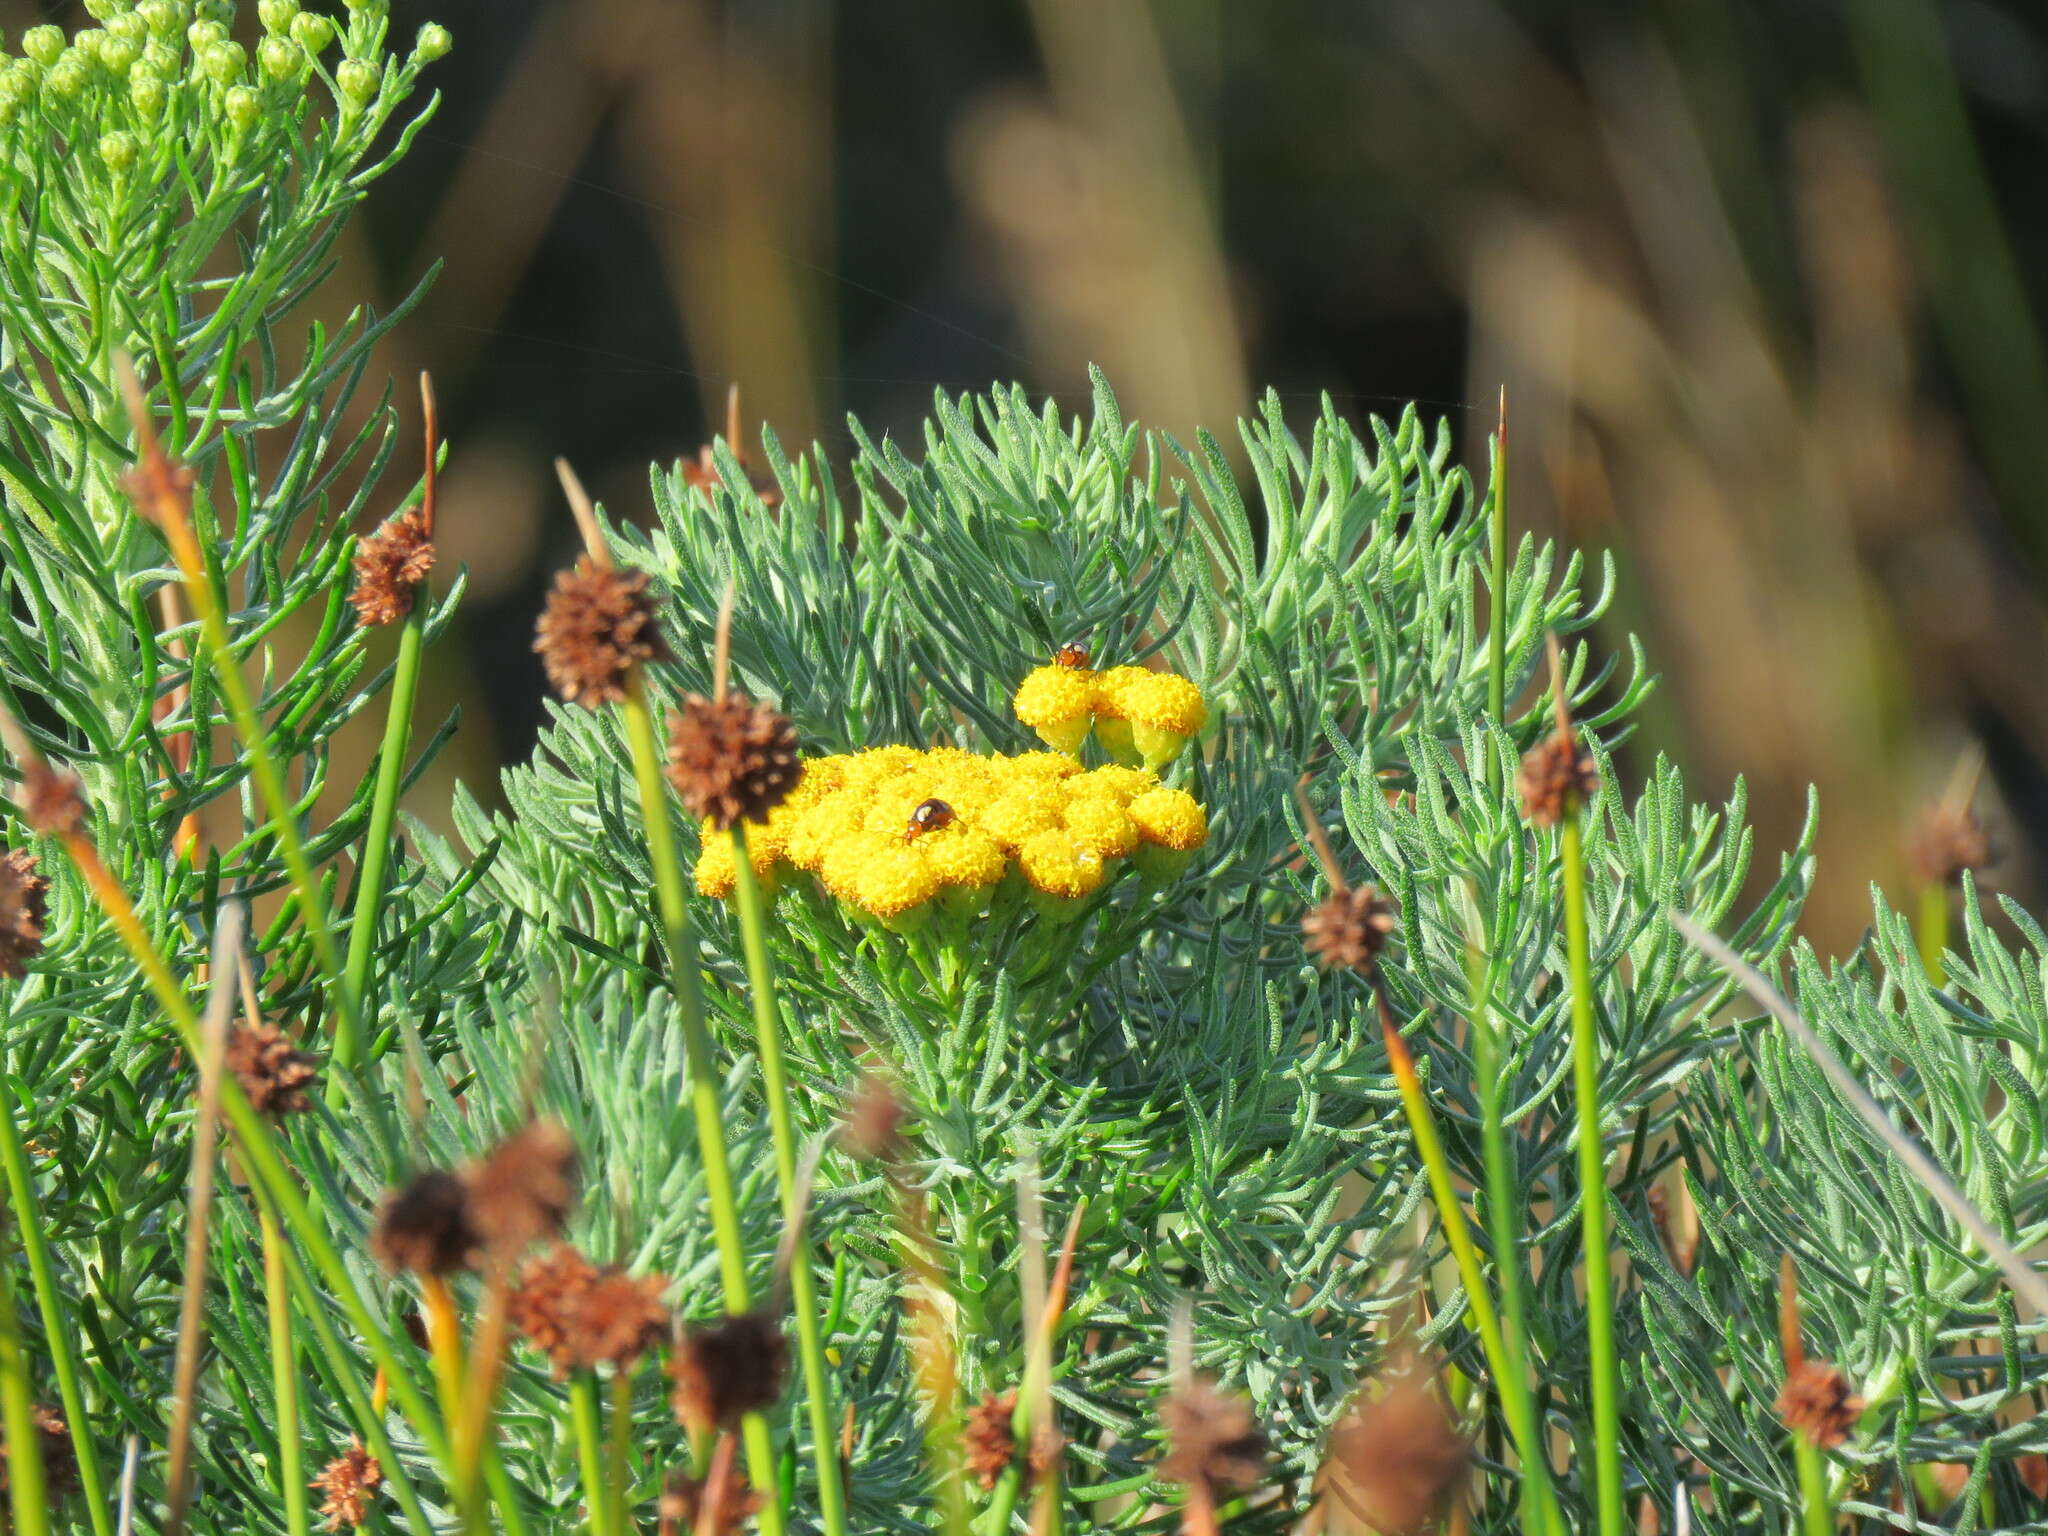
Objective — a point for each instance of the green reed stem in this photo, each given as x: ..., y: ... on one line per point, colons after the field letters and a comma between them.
x: 705, y: 1101
x: 17, y: 1410
x: 1817, y: 1510
x: 1933, y: 930
x: 369, y: 899
x: 284, y: 1375
x: 21, y: 1199
x: 1516, y: 1400
x: 583, y: 1415
x: 1497, y: 621
x: 1503, y: 1195
x: 620, y: 1451
x: 1606, y: 1384
x: 802, y: 1278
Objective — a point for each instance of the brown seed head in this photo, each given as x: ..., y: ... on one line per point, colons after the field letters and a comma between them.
x: 989, y: 1437
x: 598, y: 625
x: 1395, y: 1461
x: 59, y: 1456
x: 1212, y: 1439
x: 521, y: 1190
x: 390, y: 565
x: 24, y: 909
x: 619, y: 1318
x: 346, y: 1486
x: 543, y: 1305
x: 1349, y: 929
x: 273, y: 1072
x: 728, y: 1368
x: 681, y: 1505
x: 51, y: 800
x: 731, y: 759
x: 425, y: 1226
x: 1946, y: 843
x: 1556, y: 774
x: 1818, y: 1404
x: 874, y: 1120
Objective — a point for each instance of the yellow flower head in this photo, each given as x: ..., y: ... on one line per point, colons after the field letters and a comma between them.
x: 1055, y: 866
x: 846, y: 861
x: 894, y: 879
x: 1164, y: 701
x: 1100, y: 826
x: 717, y: 870
x: 1058, y: 703
x: 962, y: 855
x: 1025, y: 808
x: 1123, y: 785
x: 1170, y: 818
x: 1035, y: 767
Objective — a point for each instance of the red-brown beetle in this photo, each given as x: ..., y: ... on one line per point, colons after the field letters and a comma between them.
x: 1073, y: 655
x: 929, y: 816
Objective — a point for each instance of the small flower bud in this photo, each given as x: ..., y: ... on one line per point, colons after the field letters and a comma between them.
x: 434, y: 42
x: 358, y: 79
x: 117, y: 53
x: 243, y: 107
x: 129, y: 27
x: 277, y: 15
x: 163, y: 18
x: 44, y: 44
x: 159, y: 61
x: 311, y: 31
x: 203, y: 35
x: 222, y: 11
x: 118, y: 151
x: 87, y: 43
x: 68, y: 76
x: 374, y: 7
x: 99, y: 10
x: 147, y: 91
x: 223, y: 63
x: 279, y: 58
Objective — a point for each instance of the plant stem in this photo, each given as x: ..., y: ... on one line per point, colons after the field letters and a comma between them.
x: 1933, y: 930
x: 802, y: 1279
x: 369, y: 899
x: 1606, y: 1384
x: 597, y: 1502
x: 705, y: 1100
x: 21, y: 1199
x: 1516, y: 1400
x: 1497, y: 540
x: 620, y: 1450
x: 17, y: 1410
x: 284, y: 1375
x: 1817, y: 1512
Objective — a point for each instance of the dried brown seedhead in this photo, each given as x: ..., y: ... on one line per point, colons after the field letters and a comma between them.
x: 598, y: 625
x: 390, y: 565
x: 618, y: 1318
x: 24, y: 911
x: 1212, y: 1440
x: 989, y: 1437
x: 874, y: 1120
x: 521, y: 1190
x: 273, y: 1072
x: 731, y: 759
x: 680, y: 1509
x: 51, y: 800
x: 701, y: 474
x: 346, y: 1485
x: 1557, y: 775
x: 1395, y: 1461
x: 425, y: 1226
x: 1348, y: 930
x: 728, y: 1368
x: 59, y: 1456
x: 542, y: 1306
x: 1818, y: 1404
x: 1948, y: 842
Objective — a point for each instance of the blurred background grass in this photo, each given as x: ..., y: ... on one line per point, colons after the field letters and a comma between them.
x: 1763, y: 281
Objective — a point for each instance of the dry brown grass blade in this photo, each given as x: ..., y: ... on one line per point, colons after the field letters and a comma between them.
x: 585, y: 514
x: 721, y: 652
x: 430, y: 428
x: 220, y: 1007
x: 1318, y: 839
x: 2018, y: 1273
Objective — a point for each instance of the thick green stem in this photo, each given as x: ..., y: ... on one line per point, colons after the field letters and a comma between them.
x: 1933, y: 930
x: 705, y: 1100
x: 802, y: 1279
x: 620, y: 1451
x: 583, y: 1416
x: 284, y: 1375
x: 369, y: 900
x: 21, y: 1199
x: 1606, y: 1383
x: 17, y: 1411
x: 1818, y: 1511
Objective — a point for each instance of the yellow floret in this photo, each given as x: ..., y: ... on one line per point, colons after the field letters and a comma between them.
x: 1164, y: 701
x: 847, y: 859
x: 1054, y: 866
x: 1170, y: 818
x: 717, y: 869
x: 867, y: 768
x: 1021, y: 811
x: 1114, y: 782
x: 1110, y: 688
x: 963, y: 856
x: 1059, y: 704
x: 1034, y: 766
x: 813, y: 830
x: 1100, y: 826
x: 895, y: 879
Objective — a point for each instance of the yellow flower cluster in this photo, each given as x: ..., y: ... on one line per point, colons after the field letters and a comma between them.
x: 896, y: 833
x: 1140, y: 716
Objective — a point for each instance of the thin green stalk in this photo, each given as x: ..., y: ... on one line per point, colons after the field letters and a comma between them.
x: 1516, y: 1401
x: 369, y: 899
x: 1497, y: 623
x: 17, y: 1409
x: 1606, y: 1385
x: 1503, y: 1196
x: 1817, y: 1512
x: 284, y: 1375
x: 583, y: 1415
x: 620, y: 1450
x: 802, y: 1280
x: 1933, y: 930
x: 705, y: 1101
x: 21, y: 1198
